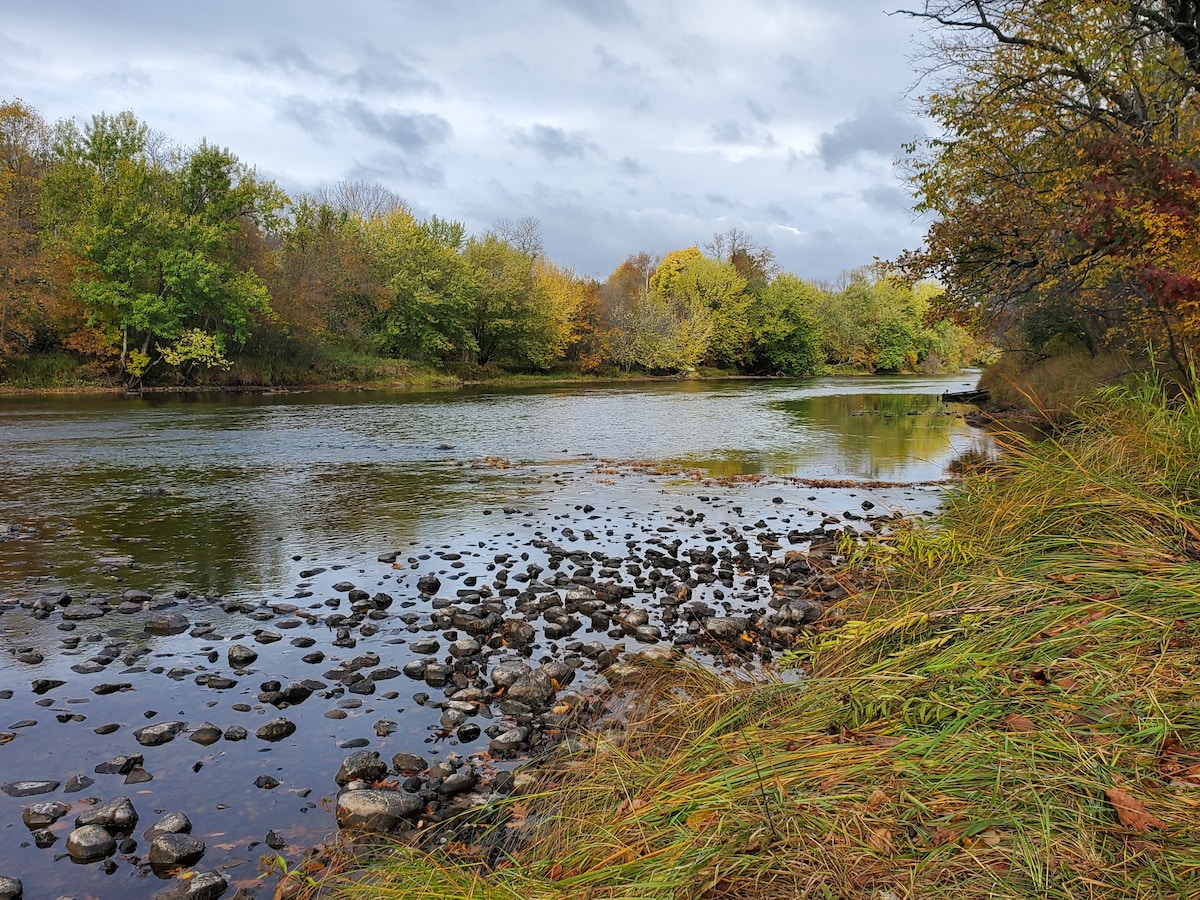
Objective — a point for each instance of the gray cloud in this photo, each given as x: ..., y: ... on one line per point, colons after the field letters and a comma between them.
x: 128, y: 79
x: 374, y: 70
x: 414, y: 132
x: 630, y: 166
x: 614, y: 65
x: 604, y: 13
x: 741, y: 134
x: 553, y: 143
x: 391, y: 168
x: 876, y: 129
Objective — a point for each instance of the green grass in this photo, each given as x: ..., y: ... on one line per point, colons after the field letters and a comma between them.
x: 1011, y: 677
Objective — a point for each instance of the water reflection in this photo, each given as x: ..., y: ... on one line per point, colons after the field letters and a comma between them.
x: 212, y: 492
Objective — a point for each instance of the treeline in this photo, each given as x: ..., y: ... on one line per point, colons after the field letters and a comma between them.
x: 142, y: 260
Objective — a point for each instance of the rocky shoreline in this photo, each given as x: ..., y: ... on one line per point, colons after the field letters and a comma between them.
x: 511, y: 643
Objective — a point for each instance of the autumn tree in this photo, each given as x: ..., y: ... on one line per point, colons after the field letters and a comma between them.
x: 24, y: 272
x: 1064, y: 183
x: 158, y: 272
x: 697, y: 286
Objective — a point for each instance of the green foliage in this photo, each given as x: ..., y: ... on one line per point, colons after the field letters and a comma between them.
x: 787, y: 335
x: 155, y: 241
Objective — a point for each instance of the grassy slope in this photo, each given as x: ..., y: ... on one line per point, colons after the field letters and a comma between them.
x: 1011, y: 712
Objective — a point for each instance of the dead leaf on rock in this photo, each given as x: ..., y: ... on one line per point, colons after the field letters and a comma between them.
x: 1132, y: 812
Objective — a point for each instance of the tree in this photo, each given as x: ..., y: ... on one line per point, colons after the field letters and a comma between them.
x: 756, y: 264
x: 688, y: 279
x: 1064, y: 182
x: 787, y: 335
x: 24, y: 275
x: 154, y: 241
x: 503, y: 313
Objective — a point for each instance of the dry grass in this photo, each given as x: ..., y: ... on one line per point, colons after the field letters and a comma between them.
x: 1012, y: 714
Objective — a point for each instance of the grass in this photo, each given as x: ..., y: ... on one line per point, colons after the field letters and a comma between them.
x: 1010, y: 712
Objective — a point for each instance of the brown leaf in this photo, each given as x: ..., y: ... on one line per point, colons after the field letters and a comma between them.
x: 555, y: 872
x: 1132, y: 812
x: 945, y: 835
x: 880, y: 840
x: 877, y: 799
x: 1016, y: 722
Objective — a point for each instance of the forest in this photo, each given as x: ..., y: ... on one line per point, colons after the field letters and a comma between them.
x: 130, y: 260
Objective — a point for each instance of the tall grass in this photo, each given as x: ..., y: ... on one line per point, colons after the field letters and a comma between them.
x: 1011, y: 712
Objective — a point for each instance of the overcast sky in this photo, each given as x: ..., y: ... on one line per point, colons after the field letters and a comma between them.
x: 620, y: 126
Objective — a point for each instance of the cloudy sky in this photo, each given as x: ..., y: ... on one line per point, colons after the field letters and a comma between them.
x: 620, y: 126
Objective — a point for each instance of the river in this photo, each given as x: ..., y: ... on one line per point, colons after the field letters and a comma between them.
x: 212, y: 507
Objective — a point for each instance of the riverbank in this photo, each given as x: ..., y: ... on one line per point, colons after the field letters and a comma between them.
x: 1007, y: 712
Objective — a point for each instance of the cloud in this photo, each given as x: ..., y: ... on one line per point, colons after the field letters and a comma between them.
x: 373, y: 71
x: 630, y: 166
x: 393, y: 168
x: 877, y: 129
x: 409, y: 131
x: 741, y: 134
x: 763, y: 112
x: 553, y: 143
x: 887, y: 198
x: 414, y: 132
x: 613, y: 65
x: 127, y: 79
x: 604, y: 13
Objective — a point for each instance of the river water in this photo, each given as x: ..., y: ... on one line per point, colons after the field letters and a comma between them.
x: 228, y: 499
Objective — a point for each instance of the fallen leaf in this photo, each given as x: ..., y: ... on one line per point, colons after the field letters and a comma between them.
x: 1132, y: 812
x: 880, y: 840
x: 945, y: 836
x: 1017, y: 722
x: 877, y: 799
x: 555, y: 872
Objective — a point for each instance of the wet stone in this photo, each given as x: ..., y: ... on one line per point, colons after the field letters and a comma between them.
x: 376, y: 810
x: 11, y: 888
x: 158, y: 733
x: 120, y: 765
x: 28, y: 788
x: 117, y: 814
x: 90, y: 842
x: 276, y: 730
x: 43, y: 815
x: 236, y: 733
x: 206, y: 734
x: 201, y: 886
x: 363, y: 765
x: 167, y: 850
x: 409, y: 763
x: 171, y: 823
x: 166, y: 623
x: 77, y: 783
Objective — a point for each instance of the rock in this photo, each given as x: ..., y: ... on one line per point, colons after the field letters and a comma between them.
x: 240, y: 656
x: 724, y: 628
x: 362, y: 765
x: 11, y: 888
x: 45, y: 685
x: 429, y: 584
x: 458, y: 783
x: 376, y: 810
x: 276, y: 730
x: 409, y: 763
x: 90, y: 842
x: 206, y: 734
x: 158, y: 733
x: 465, y: 647
x: 166, y: 623
x: 535, y: 689
x: 171, y: 823
x: 120, y: 765
x: 201, y: 886
x: 509, y: 742
x: 171, y: 849
x: 116, y: 814
x: 266, y: 782
x: 78, y: 783
x: 43, y: 815
x: 28, y: 788
x: 506, y: 673
x: 236, y: 733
